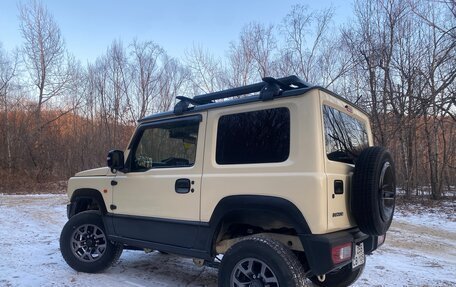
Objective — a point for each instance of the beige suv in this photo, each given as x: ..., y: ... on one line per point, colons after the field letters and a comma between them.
x: 279, y: 177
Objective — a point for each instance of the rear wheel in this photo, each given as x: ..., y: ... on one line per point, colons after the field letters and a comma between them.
x: 84, y: 243
x: 260, y: 261
x: 340, y: 278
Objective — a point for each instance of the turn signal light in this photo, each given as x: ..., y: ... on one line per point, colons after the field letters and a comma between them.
x: 341, y: 253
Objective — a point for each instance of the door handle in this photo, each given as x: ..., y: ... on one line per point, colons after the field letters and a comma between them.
x: 182, y: 185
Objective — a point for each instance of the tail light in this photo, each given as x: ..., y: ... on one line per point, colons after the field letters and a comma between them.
x: 341, y: 253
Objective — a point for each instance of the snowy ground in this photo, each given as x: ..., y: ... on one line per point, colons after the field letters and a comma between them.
x: 420, y: 251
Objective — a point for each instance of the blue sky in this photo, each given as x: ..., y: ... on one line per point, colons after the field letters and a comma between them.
x: 89, y: 27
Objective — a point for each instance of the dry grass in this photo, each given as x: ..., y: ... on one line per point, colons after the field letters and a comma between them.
x: 26, y: 184
x: 425, y: 205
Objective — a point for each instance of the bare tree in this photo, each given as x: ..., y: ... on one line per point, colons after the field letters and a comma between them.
x: 206, y: 70
x: 250, y: 58
x: 43, y: 53
x: 407, y: 51
x: 172, y: 83
x: 118, y: 84
x: 439, y: 70
x: 8, y: 66
x: 396, y: 59
x: 49, y: 73
x: 307, y: 43
x: 259, y: 41
x: 241, y: 67
x: 146, y: 67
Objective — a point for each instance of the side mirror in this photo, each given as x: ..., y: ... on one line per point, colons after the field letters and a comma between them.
x: 115, y: 160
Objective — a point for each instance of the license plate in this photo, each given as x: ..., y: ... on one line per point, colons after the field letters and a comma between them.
x: 359, y: 255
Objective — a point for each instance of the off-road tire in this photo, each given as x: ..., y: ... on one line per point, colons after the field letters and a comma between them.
x: 281, y: 260
x: 373, y: 194
x: 111, y: 252
x: 340, y: 278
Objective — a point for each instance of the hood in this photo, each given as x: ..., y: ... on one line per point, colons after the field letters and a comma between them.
x: 101, y: 171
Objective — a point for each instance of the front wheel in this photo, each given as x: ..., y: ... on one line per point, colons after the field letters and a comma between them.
x: 340, y: 278
x: 84, y: 244
x: 260, y: 261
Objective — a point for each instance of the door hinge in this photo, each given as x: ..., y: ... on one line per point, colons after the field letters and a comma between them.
x: 112, y: 206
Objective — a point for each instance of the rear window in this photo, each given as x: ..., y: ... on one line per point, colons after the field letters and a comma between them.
x: 345, y: 136
x: 254, y: 137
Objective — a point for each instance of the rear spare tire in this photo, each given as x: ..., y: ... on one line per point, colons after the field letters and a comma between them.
x: 373, y: 195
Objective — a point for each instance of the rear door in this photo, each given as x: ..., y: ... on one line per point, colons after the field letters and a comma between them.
x: 346, y: 134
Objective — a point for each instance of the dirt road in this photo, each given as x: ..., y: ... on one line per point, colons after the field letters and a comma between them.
x: 420, y: 251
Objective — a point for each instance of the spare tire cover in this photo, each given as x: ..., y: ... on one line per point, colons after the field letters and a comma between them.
x: 373, y: 196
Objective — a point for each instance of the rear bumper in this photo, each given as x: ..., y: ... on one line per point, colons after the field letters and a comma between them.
x: 318, y: 248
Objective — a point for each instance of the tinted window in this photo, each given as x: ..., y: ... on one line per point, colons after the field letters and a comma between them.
x: 345, y: 136
x: 170, y: 145
x: 254, y: 137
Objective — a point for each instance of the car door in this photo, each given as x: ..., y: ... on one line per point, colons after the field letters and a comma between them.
x: 345, y: 136
x: 157, y: 199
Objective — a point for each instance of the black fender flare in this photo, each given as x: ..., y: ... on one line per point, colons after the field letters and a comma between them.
x: 86, y: 193
x: 278, y: 207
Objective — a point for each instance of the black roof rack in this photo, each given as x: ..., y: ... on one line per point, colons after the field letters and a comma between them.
x: 268, y: 89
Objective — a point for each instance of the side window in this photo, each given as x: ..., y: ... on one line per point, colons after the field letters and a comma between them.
x: 254, y: 137
x: 168, y: 145
x: 345, y: 136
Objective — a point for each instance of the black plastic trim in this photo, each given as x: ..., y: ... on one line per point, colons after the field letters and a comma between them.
x: 338, y: 186
x: 254, y: 204
x: 71, y: 208
x: 85, y: 193
x: 182, y: 185
x: 280, y: 207
x: 190, y: 252
x: 317, y: 248
x: 371, y: 244
x: 287, y: 83
x: 179, y: 233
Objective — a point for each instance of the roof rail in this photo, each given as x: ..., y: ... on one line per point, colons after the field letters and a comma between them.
x: 268, y: 88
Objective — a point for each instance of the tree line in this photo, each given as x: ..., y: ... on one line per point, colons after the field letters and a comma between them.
x: 394, y: 58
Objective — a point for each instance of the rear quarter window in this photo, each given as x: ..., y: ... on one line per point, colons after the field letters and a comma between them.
x: 254, y: 137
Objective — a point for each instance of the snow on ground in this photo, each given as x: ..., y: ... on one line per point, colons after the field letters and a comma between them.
x: 420, y: 251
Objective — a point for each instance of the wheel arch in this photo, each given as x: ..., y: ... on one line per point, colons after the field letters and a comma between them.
x: 231, y: 208
x: 82, y: 198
